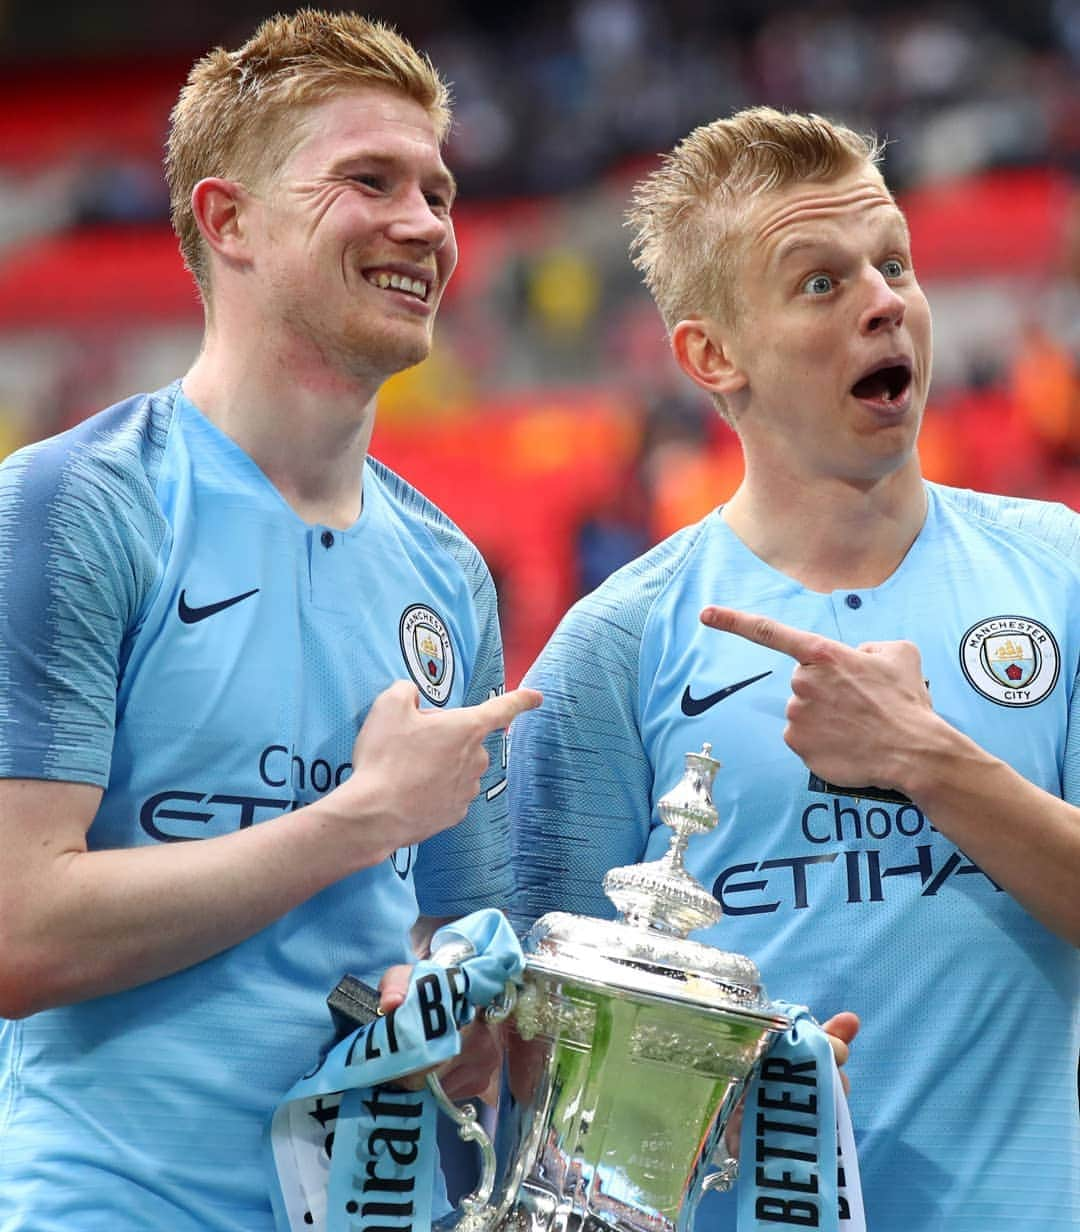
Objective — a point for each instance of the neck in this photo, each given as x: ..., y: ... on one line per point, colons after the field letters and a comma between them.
x: 307, y: 428
x: 834, y: 533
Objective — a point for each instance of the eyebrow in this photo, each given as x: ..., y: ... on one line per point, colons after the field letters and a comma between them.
x: 792, y: 247
x: 795, y: 244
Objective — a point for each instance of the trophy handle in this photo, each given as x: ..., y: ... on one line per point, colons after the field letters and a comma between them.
x: 725, y: 1166
x: 469, y: 1130
x: 725, y: 1176
x: 466, y: 1117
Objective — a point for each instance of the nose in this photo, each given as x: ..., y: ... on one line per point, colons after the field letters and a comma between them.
x: 414, y: 221
x: 885, y: 307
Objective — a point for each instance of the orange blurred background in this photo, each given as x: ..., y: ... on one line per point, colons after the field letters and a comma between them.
x: 550, y: 421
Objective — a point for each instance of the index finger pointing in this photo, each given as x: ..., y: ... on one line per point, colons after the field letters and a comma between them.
x: 499, y: 711
x: 800, y: 645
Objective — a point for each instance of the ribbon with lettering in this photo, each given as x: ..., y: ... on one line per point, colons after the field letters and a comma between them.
x: 351, y: 1153
x: 797, y: 1161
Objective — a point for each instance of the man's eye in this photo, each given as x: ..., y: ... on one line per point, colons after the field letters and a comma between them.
x: 437, y: 201
x: 892, y: 268
x: 368, y: 181
x: 818, y: 284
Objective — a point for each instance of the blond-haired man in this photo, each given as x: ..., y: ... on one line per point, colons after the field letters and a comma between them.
x: 915, y: 861
x: 207, y: 592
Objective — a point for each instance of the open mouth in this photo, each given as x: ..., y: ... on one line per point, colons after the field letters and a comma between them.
x: 388, y: 280
x: 886, y: 384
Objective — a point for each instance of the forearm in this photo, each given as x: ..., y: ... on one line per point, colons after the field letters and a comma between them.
x: 1023, y: 837
x: 90, y: 923
x: 76, y: 924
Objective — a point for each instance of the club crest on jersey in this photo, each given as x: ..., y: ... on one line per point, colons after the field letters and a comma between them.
x: 1011, y: 660
x: 429, y: 656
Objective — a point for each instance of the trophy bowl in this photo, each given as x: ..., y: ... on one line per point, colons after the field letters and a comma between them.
x: 627, y: 1047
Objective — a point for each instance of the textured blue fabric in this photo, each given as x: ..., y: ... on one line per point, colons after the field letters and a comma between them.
x: 964, y: 1074
x: 145, y: 1110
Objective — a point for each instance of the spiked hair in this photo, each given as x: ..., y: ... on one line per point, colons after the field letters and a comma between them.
x: 687, y: 216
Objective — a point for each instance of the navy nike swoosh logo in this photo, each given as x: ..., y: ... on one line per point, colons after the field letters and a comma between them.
x: 693, y: 706
x: 192, y: 615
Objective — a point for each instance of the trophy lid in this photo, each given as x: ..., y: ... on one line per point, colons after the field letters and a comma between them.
x: 646, y: 952
x: 617, y: 957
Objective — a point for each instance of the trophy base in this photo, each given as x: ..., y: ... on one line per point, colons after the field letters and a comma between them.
x: 539, y: 1210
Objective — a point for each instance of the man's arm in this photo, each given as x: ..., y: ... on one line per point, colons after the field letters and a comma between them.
x: 76, y: 923
x: 864, y: 716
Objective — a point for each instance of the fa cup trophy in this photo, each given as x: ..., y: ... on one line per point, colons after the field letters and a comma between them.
x: 627, y: 1048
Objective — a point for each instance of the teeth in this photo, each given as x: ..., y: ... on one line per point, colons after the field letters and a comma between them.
x: 399, y: 282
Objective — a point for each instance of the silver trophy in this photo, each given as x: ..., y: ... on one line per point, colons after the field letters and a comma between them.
x: 627, y: 1049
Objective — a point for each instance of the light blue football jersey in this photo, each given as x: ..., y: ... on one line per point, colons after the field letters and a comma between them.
x: 173, y: 631
x: 964, y: 1075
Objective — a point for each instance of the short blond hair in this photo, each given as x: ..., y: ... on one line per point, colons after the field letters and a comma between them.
x: 686, y: 216
x: 229, y: 118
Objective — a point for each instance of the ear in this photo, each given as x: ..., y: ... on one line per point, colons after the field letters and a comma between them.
x: 704, y: 354
x: 218, y: 206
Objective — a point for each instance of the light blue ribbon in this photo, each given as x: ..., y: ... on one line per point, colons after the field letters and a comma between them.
x: 352, y: 1154
x: 797, y: 1162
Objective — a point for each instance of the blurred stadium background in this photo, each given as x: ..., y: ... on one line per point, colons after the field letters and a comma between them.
x: 550, y: 421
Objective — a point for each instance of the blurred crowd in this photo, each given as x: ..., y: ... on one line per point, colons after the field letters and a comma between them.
x: 551, y: 366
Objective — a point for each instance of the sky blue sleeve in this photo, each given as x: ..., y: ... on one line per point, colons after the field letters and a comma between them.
x: 77, y: 552
x: 581, y: 779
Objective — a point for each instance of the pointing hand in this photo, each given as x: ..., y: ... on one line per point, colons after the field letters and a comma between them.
x: 856, y: 715
x: 419, y: 769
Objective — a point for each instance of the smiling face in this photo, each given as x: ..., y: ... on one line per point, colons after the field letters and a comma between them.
x: 351, y: 239
x: 830, y: 354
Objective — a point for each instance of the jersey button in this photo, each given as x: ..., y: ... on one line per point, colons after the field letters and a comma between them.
x: 327, y: 539
x: 853, y: 601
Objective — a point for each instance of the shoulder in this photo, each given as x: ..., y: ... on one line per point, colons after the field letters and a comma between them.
x: 80, y: 540
x: 106, y: 465
x: 610, y: 621
x: 1043, y: 527
x: 633, y: 589
x: 426, y: 520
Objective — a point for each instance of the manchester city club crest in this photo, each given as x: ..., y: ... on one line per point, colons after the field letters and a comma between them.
x: 429, y: 656
x: 1011, y: 660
